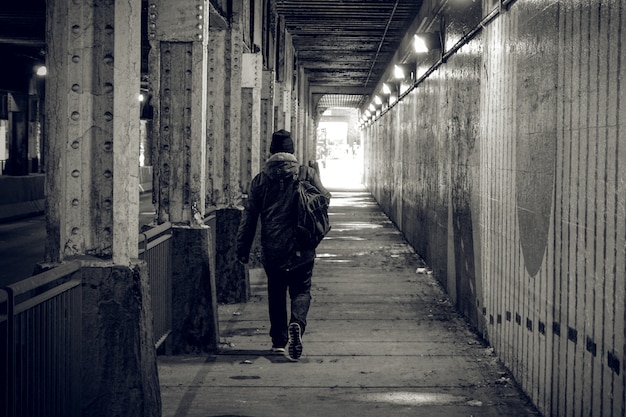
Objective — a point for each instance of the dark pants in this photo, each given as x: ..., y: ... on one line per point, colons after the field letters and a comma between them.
x: 298, y: 282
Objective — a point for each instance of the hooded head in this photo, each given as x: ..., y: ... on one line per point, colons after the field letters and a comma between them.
x: 281, y: 142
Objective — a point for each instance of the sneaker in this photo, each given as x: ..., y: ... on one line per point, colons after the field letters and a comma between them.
x: 279, y: 350
x: 295, y: 342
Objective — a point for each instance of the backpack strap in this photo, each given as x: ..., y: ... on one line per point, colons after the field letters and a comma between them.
x: 303, y: 173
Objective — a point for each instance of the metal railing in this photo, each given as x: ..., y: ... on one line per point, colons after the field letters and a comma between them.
x: 41, y: 319
x: 40, y: 331
x: 155, y: 247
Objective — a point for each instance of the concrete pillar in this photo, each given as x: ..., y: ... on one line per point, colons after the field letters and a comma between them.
x: 230, y: 144
x: 92, y: 204
x: 280, y: 119
x: 179, y: 34
x: 194, y: 317
x: 268, y: 90
x: 252, y: 79
x: 235, y: 48
x: 119, y: 371
x: 285, y: 81
x: 226, y: 51
x: 232, y: 280
x: 93, y: 126
x: 217, y: 79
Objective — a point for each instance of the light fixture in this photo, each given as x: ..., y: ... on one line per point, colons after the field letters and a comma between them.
x: 419, y: 44
x: 426, y: 42
x: 41, y: 70
x: 386, y: 89
x: 377, y: 100
x: 398, y: 72
x: 372, y: 107
x: 367, y: 114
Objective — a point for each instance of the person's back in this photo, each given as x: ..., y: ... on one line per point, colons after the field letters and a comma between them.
x: 272, y: 192
x: 271, y: 198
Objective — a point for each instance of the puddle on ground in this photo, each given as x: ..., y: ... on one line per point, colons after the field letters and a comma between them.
x: 416, y: 398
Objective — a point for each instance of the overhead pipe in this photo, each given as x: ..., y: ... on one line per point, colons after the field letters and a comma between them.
x: 382, y: 40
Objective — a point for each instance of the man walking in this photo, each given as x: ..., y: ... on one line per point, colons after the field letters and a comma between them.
x: 288, y: 268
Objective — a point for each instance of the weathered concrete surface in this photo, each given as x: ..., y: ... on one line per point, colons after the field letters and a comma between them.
x: 194, y: 313
x: 92, y: 129
x: 231, y: 278
x: 118, y: 365
x: 382, y: 340
x: 511, y: 186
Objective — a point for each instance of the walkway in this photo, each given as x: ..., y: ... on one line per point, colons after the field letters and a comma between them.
x: 382, y: 340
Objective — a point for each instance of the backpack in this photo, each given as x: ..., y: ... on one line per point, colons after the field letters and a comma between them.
x: 313, y: 223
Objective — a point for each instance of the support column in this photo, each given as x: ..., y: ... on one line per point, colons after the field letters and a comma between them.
x: 178, y: 66
x: 92, y: 205
x: 216, y: 136
x: 178, y: 31
x: 93, y: 124
x: 233, y: 101
x: 267, y: 114
x: 229, y: 144
x: 252, y: 77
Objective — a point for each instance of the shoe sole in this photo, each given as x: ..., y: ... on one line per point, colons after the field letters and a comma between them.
x: 295, y: 342
x: 278, y: 351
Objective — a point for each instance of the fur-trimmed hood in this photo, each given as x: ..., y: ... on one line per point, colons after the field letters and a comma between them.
x: 281, y: 165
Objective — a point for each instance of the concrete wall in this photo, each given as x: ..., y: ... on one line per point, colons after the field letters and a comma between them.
x: 511, y: 185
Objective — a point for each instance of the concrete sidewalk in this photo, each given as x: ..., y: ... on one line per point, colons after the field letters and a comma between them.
x: 382, y: 340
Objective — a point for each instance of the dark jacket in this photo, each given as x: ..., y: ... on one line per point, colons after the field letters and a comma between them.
x: 271, y: 197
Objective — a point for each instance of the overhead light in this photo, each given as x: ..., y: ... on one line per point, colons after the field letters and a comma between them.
x: 419, y: 44
x: 426, y: 42
x: 367, y: 114
x: 372, y: 107
x: 41, y: 70
x: 377, y: 100
x: 386, y: 89
x: 398, y: 72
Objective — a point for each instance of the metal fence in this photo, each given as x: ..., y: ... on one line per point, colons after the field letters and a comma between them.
x: 41, y: 320
x: 155, y: 247
x: 40, y: 331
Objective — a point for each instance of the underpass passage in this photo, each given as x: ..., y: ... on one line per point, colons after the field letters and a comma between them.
x: 383, y: 339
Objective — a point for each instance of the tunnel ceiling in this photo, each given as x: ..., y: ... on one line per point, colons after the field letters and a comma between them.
x: 345, y: 46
